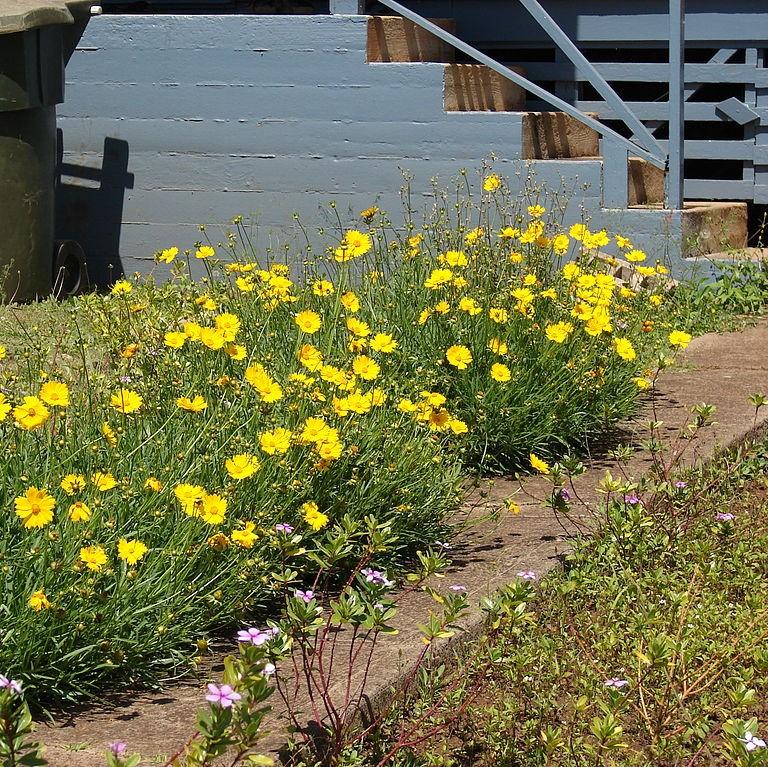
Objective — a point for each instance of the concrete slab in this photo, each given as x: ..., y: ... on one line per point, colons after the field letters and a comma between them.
x: 720, y: 369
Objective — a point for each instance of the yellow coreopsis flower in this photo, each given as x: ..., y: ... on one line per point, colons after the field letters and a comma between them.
x: 509, y: 233
x: 245, y: 537
x: 533, y: 233
x: 121, y: 288
x: 190, y: 497
x: 538, y: 464
x: 194, y: 405
x: 5, y: 406
x: 455, y: 258
x: 350, y: 302
x: 79, y: 512
x: 208, y: 303
x: 104, y: 481
x: 242, y: 465
x: 205, y: 251
x: 560, y: 244
x: 438, y: 278
x: 329, y: 450
x: 366, y: 367
x: 269, y: 390
x: 536, y: 211
x: 236, y: 352
x: 383, y: 343
x: 498, y: 314
x: 459, y: 356
x: 314, y: 430
x: 276, y: 441
x: 500, y: 373
x: 212, y: 338
x: 31, y: 414
x: 55, y: 393
x: 310, y: 357
x: 353, y: 244
x: 470, y: 306
x: 126, y: 401
x: 35, y: 507
x: 153, y: 484
x: 457, y: 426
x: 175, y: 340
x: 473, y: 235
x: 497, y: 346
x: 491, y: 183
x: 214, y: 509
x: 559, y: 331
x: 308, y: 321
x: 635, y: 256
x: 358, y: 328
x: 93, y: 557
x: 109, y: 435
x: 322, y: 288
x: 228, y: 324
x: 623, y: 347
x: 38, y: 601
x: 313, y: 516
x: 73, y: 484
x: 679, y: 338
x: 571, y: 271
x: 577, y: 231
x: 131, y: 551
x: 168, y: 255
x: 245, y: 284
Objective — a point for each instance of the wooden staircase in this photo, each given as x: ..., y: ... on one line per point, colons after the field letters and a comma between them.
x: 549, y: 137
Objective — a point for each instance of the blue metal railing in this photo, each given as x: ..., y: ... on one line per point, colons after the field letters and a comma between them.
x: 617, y: 148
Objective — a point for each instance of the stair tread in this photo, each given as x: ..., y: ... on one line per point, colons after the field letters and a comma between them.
x: 738, y: 254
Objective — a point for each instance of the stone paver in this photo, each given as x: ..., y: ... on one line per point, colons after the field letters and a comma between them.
x: 720, y: 369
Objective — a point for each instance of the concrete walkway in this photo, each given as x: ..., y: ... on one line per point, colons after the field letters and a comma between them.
x: 719, y: 369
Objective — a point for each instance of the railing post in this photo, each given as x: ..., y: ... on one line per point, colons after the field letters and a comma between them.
x: 676, y: 175
x: 347, y: 7
x: 615, y: 174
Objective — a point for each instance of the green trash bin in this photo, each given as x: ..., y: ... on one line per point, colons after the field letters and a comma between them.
x: 36, y: 41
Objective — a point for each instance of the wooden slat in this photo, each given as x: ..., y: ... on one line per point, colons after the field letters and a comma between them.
x: 700, y: 149
x: 717, y: 189
x: 645, y: 72
x: 657, y: 110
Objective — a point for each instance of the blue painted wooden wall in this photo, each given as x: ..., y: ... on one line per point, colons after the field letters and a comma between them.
x: 206, y: 117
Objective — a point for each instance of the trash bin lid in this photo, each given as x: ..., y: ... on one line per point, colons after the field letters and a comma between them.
x: 21, y: 15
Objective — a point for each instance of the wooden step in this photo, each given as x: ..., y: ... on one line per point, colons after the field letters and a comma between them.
x: 476, y: 88
x: 557, y: 136
x: 646, y: 182
x: 393, y: 39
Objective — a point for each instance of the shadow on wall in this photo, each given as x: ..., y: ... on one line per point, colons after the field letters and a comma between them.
x: 89, y: 209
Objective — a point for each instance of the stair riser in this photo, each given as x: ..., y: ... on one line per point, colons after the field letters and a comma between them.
x: 475, y: 88
x: 392, y: 39
x: 646, y: 183
x: 557, y: 136
x: 714, y: 228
